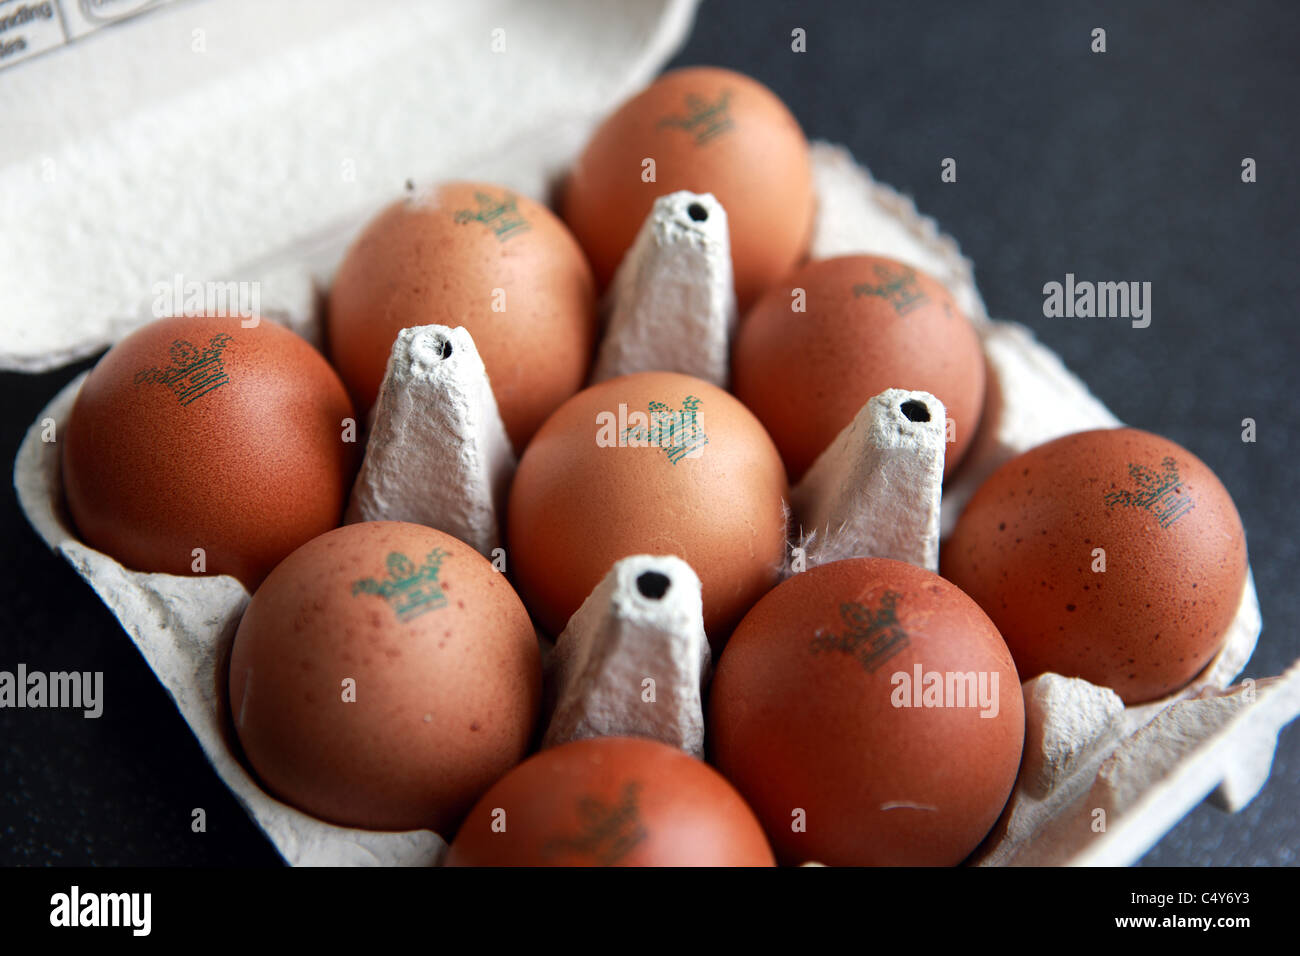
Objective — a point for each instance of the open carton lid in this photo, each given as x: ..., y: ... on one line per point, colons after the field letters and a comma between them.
x: 212, y: 139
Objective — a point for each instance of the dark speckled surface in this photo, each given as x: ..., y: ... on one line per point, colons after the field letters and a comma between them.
x: 1120, y: 166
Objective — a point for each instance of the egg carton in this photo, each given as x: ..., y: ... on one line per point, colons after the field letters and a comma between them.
x: 321, y: 108
x: 1145, y: 766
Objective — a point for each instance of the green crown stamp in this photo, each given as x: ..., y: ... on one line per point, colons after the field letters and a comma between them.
x: 607, y: 831
x: 194, y: 371
x: 896, y: 285
x: 1160, y: 492
x: 678, y: 432
x: 703, y: 120
x: 408, y: 589
x: 870, y: 636
x: 502, y: 215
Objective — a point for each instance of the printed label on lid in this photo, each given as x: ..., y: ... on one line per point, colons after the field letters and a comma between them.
x: 31, y: 27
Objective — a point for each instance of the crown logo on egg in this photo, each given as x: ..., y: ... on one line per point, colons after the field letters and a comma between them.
x: 703, y: 120
x: 607, y: 831
x: 502, y: 216
x: 870, y: 636
x: 194, y: 371
x: 409, y: 590
x: 896, y: 285
x: 1160, y: 492
x: 678, y: 432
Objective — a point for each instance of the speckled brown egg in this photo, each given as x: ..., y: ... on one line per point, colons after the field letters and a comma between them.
x: 871, y: 715
x: 479, y: 256
x: 384, y: 676
x: 826, y: 339
x: 199, y: 446
x: 651, y: 463
x: 707, y: 130
x: 1114, y: 555
x: 611, y: 801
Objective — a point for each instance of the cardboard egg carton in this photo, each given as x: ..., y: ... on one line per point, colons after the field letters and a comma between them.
x: 245, y: 139
x: 1144, y: 766
x: 317, y: 95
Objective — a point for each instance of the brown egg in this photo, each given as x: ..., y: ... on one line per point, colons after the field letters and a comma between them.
x: 478, y: 256
x: 611, y: 801
x: 652, y: 463
x: 871, y: 715
x: 707, y: 130
x: 384, y: 676
x: 838, y: 332
x: 199, y: 446
x: 1032, y: 544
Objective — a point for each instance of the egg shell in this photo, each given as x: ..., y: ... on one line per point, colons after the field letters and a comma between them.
x: 479, y: 256
x: 1025, y: 548
x: 585, y: 496
x: 707, y: 130
x: 867, y: 324
x: 444, y: 665
x: 611, y: 801
x: 198, y: 433
x: 805, y: 717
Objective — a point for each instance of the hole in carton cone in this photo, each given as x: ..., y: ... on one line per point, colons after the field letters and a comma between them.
x: 915, y: 411
x: 445, y: 351
x: 697, y: 212
x: 652, y: 584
